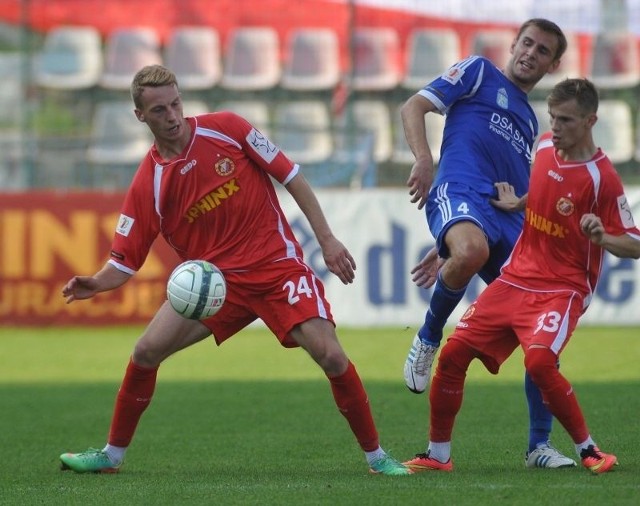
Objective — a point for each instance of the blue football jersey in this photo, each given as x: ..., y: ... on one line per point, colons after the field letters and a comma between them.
x: 489, y: 130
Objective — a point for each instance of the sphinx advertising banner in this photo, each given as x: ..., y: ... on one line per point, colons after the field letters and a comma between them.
x: 47, y: 237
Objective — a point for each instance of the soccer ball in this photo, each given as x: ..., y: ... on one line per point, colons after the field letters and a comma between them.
x: 196, y: 289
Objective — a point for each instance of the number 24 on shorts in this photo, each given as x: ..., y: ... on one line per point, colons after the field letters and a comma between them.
x: 298, y: 290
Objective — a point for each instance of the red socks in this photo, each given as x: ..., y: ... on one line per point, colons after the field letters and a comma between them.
x: 448, y: 383
x: 133, y: 398
x: 556, y: 392
x: 353, y: 403
x: 447, y: 387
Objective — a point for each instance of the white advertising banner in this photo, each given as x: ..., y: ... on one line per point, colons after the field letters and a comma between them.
x: 387, y: 235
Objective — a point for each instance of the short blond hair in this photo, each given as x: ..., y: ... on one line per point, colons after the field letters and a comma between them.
x: 150, y: 76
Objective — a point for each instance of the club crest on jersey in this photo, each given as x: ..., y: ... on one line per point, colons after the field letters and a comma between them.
x: 502, y: 99
x: 225, y: 167
x: 469, y: 312
x: 565, y: 206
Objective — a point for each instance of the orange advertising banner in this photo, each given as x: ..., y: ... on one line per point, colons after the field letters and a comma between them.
x: 46, y: 237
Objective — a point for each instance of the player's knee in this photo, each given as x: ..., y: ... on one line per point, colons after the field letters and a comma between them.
x: 476, y: 252
x: 146, y: 354
x: 321, y: 343
x: 454, y: 360
x: 332, y: 361
x: 469, y: 256
x: 541, y: 364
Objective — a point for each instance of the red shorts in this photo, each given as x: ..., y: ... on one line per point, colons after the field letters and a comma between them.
x: 282, y: 294
x: 505, y: 316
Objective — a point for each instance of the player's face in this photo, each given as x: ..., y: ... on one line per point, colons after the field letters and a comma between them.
x: 571, y: 128
x: 532, y: 56
x: 162, y: 112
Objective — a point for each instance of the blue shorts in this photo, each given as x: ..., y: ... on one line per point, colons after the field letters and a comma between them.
x: 451, y: 203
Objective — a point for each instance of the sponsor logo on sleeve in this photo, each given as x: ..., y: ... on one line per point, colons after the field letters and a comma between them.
x: 125, y: 224
x: 626, y: 216
x: 262, y: 145
x: 453, y: 75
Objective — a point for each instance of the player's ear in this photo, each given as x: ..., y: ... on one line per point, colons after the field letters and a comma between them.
x: 554, y: 66
x: 139, y: 115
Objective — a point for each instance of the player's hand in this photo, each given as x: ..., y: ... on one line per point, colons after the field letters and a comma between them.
x: 80, y: 288
x: 591, y: 225
x: 426, y: 272
x: 507, y: 199
x: 339, y: 261
x: 420, y: 181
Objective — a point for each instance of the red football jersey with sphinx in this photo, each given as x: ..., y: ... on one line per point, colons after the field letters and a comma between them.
x: 552, y: 252
x: 215, y: 201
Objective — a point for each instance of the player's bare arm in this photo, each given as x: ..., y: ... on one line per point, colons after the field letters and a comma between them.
x: 623, y: 246
x: 423, y: 170
x: 85, y: 287
x: 507, y: 199
x: 425, y: 273
x: 336, y: 256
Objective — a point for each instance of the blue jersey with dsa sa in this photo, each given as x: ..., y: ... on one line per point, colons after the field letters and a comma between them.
x: 489, y: 130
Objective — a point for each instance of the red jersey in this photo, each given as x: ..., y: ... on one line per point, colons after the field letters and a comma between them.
x: 552, y: 253
x: 215, y: 201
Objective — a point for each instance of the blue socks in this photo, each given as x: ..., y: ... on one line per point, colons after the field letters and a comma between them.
x: 443, y: 302
x: 540, y: 418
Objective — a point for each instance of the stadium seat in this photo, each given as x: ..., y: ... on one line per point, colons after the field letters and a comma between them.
x: 615, y: 60
x: 302, y: 129
x: 493, y: 44
x: 255, y: 112
x: 312, y: 60
x: 570, y: 65
x: 117, y: 137
x: 127, y: 50
x: 434, y: 125
x: 251, y: 59
x: 193, y: 53
x: 614, y: 130
x: 376, y: 59
x: 430, y: 52
x: 71, y: 58
x: 370, y: 120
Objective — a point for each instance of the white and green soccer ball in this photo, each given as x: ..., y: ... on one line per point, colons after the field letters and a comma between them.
x: 196, y: 289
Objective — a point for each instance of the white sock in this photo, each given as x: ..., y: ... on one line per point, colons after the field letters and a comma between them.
x: 584, y: 445
x: 440, y: 451
x: 115, y: 453
x: 377, y: 454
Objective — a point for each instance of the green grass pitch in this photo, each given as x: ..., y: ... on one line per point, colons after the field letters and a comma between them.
x: 251, y: 423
